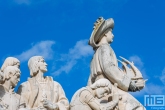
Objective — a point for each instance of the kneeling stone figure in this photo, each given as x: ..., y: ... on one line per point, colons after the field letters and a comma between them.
x: 87, y: 98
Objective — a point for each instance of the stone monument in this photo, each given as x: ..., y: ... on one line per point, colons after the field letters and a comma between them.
x: 88, y: 98
x: 9, y: 100
x: 104, y: 64
x: 9, y: 61
x: 9, y: 77
x: 39, y: 92
x: 107, y: 89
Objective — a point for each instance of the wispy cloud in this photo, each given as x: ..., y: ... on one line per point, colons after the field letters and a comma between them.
x: 162, y: 77
x: 29, y: 2
x: 43, y: 48
x: 139, y: 64
x: 79, y: 51
x: 19, y: 2
x: 137, y: 61
x: 150, y: 88
x: 155, y: 89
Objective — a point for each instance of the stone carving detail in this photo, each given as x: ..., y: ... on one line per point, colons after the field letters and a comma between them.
x: 88, y: 98
x: 107, y: 89
x: 39, y: 92
x: 104, y: 65
x: 9, y: 77
x: 9, y: 61
x: 9, y: 99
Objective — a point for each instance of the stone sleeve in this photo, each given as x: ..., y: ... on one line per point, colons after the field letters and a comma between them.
x: 23, y: 91
x: 111, y: 70
x: 62, y: 100
x: 86, y: 96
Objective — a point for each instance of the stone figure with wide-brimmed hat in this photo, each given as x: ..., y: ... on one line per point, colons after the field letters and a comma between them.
x: 104, y: 64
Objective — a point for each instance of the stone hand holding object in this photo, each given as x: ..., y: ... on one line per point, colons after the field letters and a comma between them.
x: 49, y: 105
x: 138, y: 82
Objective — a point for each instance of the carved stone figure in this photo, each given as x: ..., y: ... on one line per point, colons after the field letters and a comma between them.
x: 104, y: 65
x: 87, y: 98
x: 42, y: 93
x: 9, y: 61
x: 9, y: 100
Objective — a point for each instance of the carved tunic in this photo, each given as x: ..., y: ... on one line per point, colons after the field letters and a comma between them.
x: 81, y: 98
x: 104, y: 65
x: 84, y: 96
x: 34, y: 92
x: 9, y: 100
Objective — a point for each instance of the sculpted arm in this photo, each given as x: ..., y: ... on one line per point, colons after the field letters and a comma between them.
x: 94, y: 104
x: 62, y: 100
x: 88, y: 98
x: 111, y: 70
x: 23, y: 91
x: 61, y: 103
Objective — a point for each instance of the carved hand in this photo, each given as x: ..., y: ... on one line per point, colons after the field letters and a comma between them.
x: 49, y: 105
x: 133, y: 87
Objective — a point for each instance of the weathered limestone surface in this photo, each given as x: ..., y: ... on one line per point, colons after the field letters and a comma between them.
x: 104, y: 64
x: 41, y: 92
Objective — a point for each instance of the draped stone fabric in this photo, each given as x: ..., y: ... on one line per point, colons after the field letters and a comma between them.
x: 9, y: 100
x: 32, y: 92
x: 104, y: 65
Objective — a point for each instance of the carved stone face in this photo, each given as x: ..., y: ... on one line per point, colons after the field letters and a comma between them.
x: 110, y: 36
x: 15, y: 79
x: 101, y: 92
x: 42, y: 65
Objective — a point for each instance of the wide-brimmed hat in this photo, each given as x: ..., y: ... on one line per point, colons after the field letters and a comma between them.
x: 100, y: 27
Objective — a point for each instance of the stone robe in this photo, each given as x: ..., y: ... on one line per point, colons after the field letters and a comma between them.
x: 32, y: 92
x: 104, y: 65
x: 9, y: 100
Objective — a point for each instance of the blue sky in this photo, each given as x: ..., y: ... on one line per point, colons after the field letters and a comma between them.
x: 59, y: 30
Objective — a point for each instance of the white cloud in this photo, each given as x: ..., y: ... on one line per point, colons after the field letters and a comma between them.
x: 139, y: 64
x: 150, y: 88
x: 162, y: 78
x: 30, y: 2
x: 43, y: 48
x: 80, y: 50
x: 137, y: 61
x: 155, y: 89
x: 19, y: 2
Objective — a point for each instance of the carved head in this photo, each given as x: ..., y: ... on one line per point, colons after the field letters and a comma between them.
x: 12, y: 74
x: 10, y: 61
x: 36, y: 64
x: 102, y: 87
x: 101, y: 27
